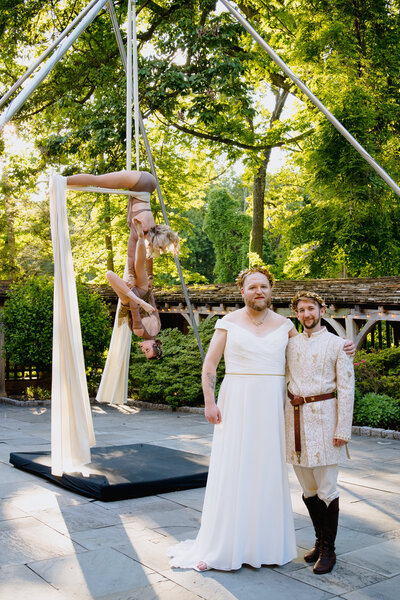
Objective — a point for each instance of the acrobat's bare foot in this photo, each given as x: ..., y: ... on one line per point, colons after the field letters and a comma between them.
x: 139, y: 228
x: 202, y: 566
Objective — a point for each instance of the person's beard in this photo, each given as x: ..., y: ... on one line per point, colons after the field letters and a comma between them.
x: 259, y: 307
x: 311, y: 324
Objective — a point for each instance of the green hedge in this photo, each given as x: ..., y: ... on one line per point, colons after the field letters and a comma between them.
x: 377, y: 410
x: 378, y: 371
x: 27, y: 319
x: 176, y: 378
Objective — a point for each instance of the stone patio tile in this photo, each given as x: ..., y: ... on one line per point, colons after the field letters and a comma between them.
x: 350, y: 493
x: 190, y: 498
x: 139, y: 506
x: 301, y: 521
x: 344, y: 578
x: 33, y: 485
x: 369, y: 517
x: 162, y: 520
x: 164, y: 590
x: 382, y: 558
x: 8, y: 474
x: 385, y: 590
x: 9, y: 511
x: 196, y: 446
x: 388, y: 482
x: 48, y: 499
x: 245, y: 584
x: 96, y: 575
x: 20, y: 583
x: 347, y: 539
x: 5, y: 450
x: 149, y: 552
x: 392, y: 535
x: 115, y: 536
x: 68, y: 519
x: 128, y: 437
x: 23, y: 540
x: 24, y: 442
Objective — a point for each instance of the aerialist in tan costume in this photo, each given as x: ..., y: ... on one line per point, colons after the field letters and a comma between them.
x: 146, y: 239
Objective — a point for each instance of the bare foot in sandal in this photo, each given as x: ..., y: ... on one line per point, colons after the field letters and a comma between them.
x: 202, y: 566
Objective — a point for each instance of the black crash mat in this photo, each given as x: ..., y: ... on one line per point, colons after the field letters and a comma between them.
x: 121, y: 472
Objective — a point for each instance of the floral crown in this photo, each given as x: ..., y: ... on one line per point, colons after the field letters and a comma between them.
x: 243, y: 274
x: 302, y: 295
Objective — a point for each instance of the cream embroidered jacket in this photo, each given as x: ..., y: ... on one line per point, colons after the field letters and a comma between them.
x: 317, y: 365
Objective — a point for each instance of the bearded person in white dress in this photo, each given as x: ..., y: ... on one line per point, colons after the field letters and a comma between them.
x: 247, y: 514
x: 318, y: 416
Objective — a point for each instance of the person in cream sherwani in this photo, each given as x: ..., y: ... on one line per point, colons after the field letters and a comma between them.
x: 318, y: 418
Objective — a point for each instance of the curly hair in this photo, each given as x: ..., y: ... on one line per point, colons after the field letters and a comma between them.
x: 263, y: 270
x: 160, y: 239
x: 157, y: 347
x: 303, y: 295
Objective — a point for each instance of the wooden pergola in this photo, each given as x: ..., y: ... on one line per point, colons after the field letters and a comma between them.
x: 358, y: 308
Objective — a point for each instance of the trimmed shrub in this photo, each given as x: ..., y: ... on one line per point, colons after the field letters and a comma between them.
x: 27, y: 319
x: 377, y: 410
x: 176, y: 378
x: 378, y: 371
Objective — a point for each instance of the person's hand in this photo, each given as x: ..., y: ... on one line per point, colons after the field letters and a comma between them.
x: 337, y: 442
x: 349, y: 348
x: 213, y: 414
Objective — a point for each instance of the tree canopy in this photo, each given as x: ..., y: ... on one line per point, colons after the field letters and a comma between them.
x: 210, y: 97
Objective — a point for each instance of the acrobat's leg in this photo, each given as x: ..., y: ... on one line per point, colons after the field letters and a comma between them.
x: 125, y: 294
x: 142, y: 280
x: 114, y: 180
x: 132, y: 242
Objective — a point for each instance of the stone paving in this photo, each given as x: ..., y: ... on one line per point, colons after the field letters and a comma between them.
x: 56, y: 545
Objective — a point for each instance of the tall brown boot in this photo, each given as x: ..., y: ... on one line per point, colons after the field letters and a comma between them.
x: 327, y: 556
x: 317, y: 510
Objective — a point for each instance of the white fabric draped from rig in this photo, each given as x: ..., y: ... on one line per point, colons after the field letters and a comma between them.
x: 72, y: 432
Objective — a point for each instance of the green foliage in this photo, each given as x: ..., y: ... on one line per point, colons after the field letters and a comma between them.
x: 27, y: 318
x: 377, y: 410
x: 36, y: 393
x: 228, y: 229
x: 201, y: 257
x: 176, y: 378
x: 378, y: 371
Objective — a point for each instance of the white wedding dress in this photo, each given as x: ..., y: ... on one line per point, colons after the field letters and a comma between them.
x: 247, y: 514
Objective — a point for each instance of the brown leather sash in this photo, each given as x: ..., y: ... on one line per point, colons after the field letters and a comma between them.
x: 296, y: 401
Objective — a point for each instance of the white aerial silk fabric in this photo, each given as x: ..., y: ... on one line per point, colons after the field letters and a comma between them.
x: 72, y: 432
x: 113, y: 388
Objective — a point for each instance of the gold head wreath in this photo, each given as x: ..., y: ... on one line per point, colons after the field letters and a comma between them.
x: 303, y: 295
x: 243, y: 274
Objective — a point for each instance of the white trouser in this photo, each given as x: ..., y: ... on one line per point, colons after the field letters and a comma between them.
x: 320, y: 481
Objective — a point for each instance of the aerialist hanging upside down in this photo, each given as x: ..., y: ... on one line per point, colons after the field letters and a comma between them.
x: 146, y: 239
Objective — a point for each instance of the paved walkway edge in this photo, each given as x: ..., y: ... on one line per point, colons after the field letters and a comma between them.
x: 356, y: 429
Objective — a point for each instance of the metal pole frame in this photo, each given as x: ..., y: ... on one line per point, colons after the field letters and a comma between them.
x: 313, y: 98
x: 128, y: 73
x: 135, y: 85
x: 49, y: 65
x: 110, y: 8
x: 48, y: 50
